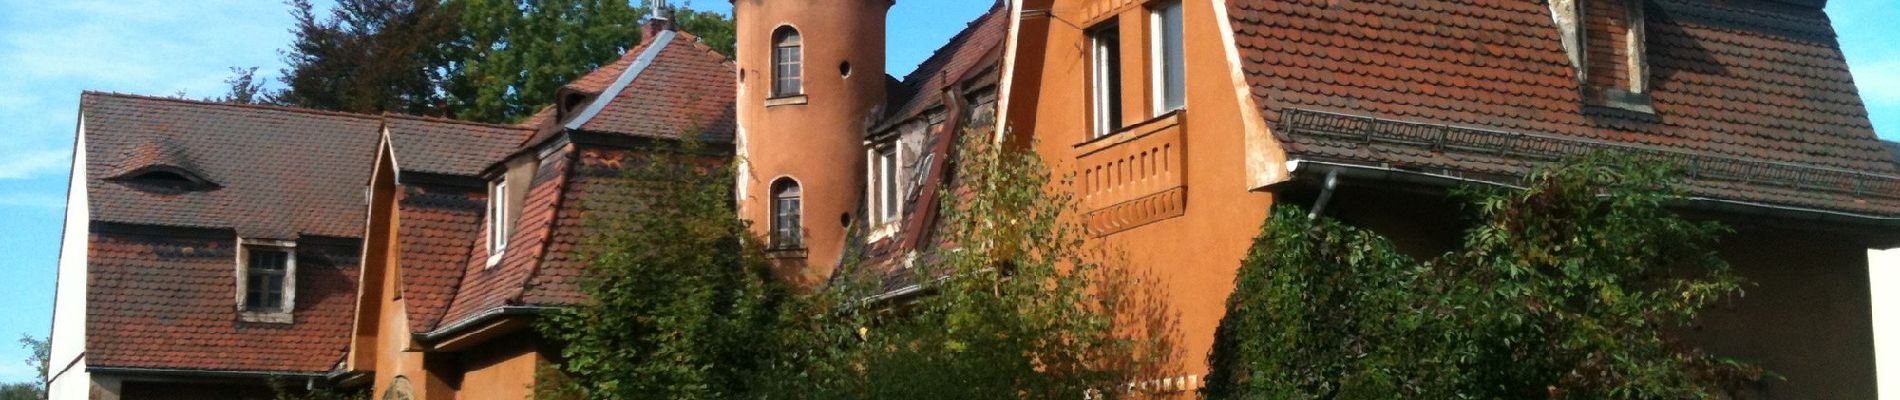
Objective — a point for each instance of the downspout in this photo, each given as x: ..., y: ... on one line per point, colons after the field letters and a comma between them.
x: 1325, y: 195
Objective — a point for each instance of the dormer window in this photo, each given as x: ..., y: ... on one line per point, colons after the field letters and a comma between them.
x: 1606, y: 44
x: 787, y: 63
x: 161, y: 179
x: 266, y: 280
x: 500, y: 220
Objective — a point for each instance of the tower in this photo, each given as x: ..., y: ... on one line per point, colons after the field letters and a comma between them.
x: 811, y: 77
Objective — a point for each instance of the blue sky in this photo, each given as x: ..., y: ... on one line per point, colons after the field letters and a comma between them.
x: 51, y: 50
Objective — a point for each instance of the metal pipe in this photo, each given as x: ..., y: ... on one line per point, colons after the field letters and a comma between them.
x: 1325, y: 195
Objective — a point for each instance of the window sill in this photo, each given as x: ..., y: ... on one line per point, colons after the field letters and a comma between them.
x: 265, y: 317
x: 884, y: 230
x: 778, y: 254
x: 1618, y: 99
x: 787, y: 101
x: 495, y: 259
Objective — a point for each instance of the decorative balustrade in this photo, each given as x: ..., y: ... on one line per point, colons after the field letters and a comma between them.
x: 1134, y: 176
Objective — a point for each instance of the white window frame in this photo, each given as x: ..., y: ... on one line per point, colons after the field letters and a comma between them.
x: 1105, y: 95
x: 781, y: 75
x: 283, y: 314
x: 500, y: 221
x: 784, y: 237
x: 1158, y: 56
x: 885, y: 188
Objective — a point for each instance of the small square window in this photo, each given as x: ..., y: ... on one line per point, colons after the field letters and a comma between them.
x: 267, y: 280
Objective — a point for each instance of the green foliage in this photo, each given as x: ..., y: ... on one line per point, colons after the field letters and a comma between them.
x: 684, y: 305
x: 282, y: 389
x: 1562, y: 290
x: 21, y: 391
x: 1017, y: 305
x: 39, y: 351
x: 479, y: 60
x: 370, y: 56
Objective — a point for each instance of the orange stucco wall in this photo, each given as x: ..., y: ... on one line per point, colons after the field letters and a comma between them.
x: 1195, y: 251
x: 502, y: 369
x: 818, y: 143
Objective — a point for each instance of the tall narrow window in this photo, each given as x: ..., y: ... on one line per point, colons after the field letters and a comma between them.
x: 884, y: 184
x: 500, y: 220
x: 1106, y: 43
x: 787, y: 63
x: 786, y: 231
x: 1170, y: 58
x: 266, y: 280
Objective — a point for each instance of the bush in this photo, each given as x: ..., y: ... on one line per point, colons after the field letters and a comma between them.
x: 1561, y: 290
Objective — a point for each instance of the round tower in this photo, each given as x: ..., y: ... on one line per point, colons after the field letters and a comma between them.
x: 811, y: 77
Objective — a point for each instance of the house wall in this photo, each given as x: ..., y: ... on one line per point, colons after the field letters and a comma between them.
x: 134, y: 390
x: 502, y: 369
x: 818, y: 142
x: 1806, y: 315
x: 1193, y: 215
x: 67, y: 377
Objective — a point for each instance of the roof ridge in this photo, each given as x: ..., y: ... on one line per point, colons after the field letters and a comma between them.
x: 700, y: 43
x: 953, y: 43
x: 264, y: 107
x: 452, y: 121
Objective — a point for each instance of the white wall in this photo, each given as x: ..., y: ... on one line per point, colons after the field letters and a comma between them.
x: 68, y: 370
x: 1883, y: 278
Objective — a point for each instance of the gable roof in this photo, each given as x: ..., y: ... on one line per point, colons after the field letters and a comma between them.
x: 280, y: 172
x: 668, y: 85
x: 1756, y: 93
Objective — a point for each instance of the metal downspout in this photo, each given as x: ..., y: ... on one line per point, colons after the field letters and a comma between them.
x: 1325, y: 195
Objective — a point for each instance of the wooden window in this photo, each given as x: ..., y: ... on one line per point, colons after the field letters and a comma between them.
x: 787, y: 63
x: 786, y: 210
x: 266, y: 280
x: 1106, y: 76
x: 1170, y: 57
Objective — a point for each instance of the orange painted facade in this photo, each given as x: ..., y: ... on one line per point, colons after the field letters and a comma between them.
x: 815, y: 135
x: 1171, y: 188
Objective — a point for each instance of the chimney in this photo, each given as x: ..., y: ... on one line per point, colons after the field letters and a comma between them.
x: 658, y: 20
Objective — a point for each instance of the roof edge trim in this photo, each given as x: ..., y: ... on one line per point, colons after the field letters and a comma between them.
x: 626, y: 79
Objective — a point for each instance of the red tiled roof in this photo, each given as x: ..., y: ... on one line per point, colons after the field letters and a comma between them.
x: 281, y: 172
x: 1746, y: 80
x: 688, y: 88
x: 483, y: 287
x: 166, y: 303
x: 450, y: 147
x: 439, y: 225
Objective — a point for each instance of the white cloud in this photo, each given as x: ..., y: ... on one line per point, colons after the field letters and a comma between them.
x: 1879, y: 81
x: 33, y: 164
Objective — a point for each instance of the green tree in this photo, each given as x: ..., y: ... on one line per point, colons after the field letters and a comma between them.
x: 245, y: 88
x: 1564, y: 290
x: 372, y: 56
x: 21, y: 391
x: 1017, y: 305
x: 683, y: 304
x: 38, y: 352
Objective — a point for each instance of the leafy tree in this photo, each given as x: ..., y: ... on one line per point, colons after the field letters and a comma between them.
x: 372, y: 56
x: 245, y: 88
x: 1018, y: 304
x: 1562, y: 290
x: 683, y: 304
x: 21, y: 391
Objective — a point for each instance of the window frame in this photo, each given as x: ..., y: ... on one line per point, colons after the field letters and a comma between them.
x: 1106, y: 94
x: 780, y: 238
x: 780, y: 73
x: 885, y: 186
x: 500, y: 220
x: 287, y: 293
x: 1161, y: 73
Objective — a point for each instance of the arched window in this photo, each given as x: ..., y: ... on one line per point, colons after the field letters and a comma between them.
x: 786, y: 207
x: 787, y: 63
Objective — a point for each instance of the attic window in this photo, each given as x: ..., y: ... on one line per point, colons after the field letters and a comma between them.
x: 266, y: 280
x: 164, y: 180
x: 1608, y: 49
x: 500, y: 220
